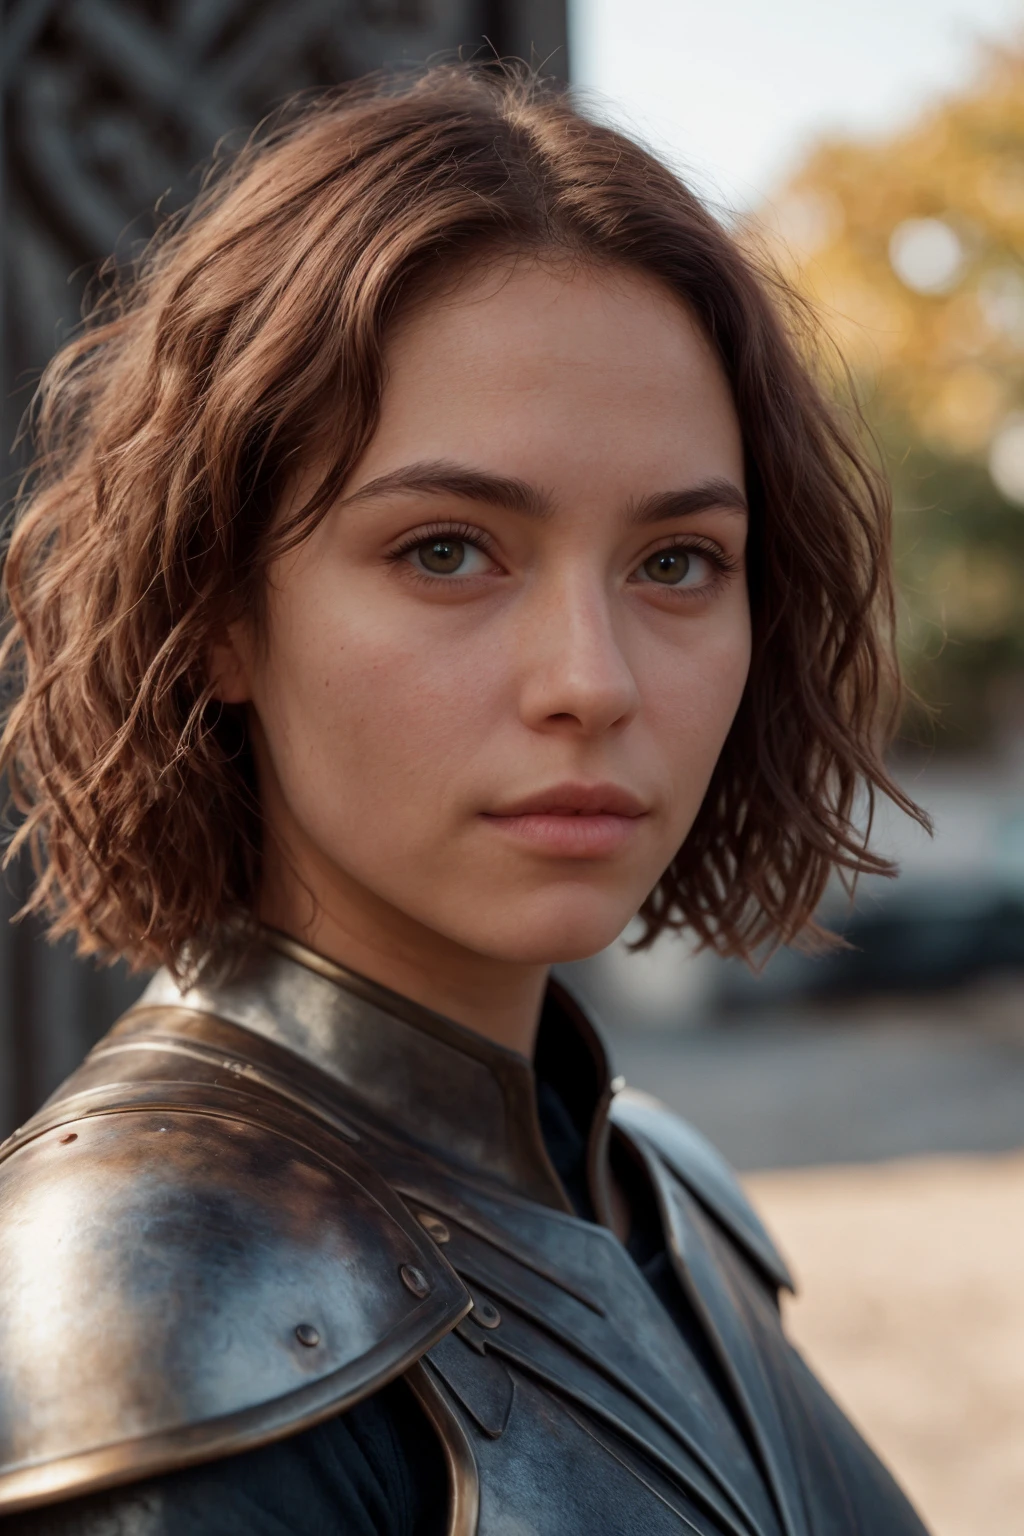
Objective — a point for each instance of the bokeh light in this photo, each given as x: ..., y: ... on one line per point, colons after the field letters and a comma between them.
x: 927, y: 255
x: 1006, y: 458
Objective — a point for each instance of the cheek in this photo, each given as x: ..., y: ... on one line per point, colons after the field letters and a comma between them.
x: 364, y: 713
x: 691, y: 696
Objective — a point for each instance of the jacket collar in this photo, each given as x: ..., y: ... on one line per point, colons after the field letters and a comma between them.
x: 428, y: 1079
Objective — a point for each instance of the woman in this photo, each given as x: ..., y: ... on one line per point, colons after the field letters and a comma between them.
x: 441, y: 554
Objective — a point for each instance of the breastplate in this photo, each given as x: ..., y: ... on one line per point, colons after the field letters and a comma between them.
x: 379, y: 1140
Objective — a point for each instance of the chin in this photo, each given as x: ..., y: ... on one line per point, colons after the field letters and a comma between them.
x: 573, y: 926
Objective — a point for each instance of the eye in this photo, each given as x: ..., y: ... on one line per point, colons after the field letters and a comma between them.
x: 675, y: 568
x: 447, y: 556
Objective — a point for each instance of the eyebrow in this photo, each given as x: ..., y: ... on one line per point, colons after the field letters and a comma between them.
x: 709, y: 495
x: 443, y: 478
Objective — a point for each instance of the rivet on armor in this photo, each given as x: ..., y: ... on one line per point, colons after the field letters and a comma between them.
x: 486, y: 1313
x: 414, y: 1280
x: 434, y: 1226
x: 71, y: 1136
x: 307, y: 1334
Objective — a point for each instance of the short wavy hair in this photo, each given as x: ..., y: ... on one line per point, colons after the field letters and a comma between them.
x: 164, y: 431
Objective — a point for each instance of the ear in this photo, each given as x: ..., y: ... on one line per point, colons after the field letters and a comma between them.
x: 228, y: 667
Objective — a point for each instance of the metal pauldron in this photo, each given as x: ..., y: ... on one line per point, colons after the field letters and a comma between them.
x: 256, y: 1203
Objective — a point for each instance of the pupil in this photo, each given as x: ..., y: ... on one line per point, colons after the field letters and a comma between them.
x: 668, y: 567
x: 443, y: 555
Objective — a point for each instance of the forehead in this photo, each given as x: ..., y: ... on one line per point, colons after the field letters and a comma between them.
x: 573, y: 370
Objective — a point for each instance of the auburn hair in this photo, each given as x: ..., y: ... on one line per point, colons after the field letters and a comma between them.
x: 164, y: 430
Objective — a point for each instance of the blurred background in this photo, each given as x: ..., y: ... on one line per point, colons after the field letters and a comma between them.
x: 874, y: 1097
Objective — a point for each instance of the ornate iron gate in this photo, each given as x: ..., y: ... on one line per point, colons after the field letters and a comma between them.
x: 109, y: 106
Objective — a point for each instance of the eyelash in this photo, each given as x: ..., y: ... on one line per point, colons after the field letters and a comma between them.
x: 465, y: 533
x: 725, y: 565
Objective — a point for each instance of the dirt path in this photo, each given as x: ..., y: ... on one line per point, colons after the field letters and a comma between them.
x: 912, y: 1311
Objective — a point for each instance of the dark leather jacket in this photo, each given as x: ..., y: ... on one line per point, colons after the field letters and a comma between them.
x: 257, y: 1203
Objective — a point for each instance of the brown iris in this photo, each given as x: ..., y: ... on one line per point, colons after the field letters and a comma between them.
x: 442, y: 556
x: 668, y: 566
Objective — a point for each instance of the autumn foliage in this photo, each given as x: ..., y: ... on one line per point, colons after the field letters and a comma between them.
x: 912, y: 248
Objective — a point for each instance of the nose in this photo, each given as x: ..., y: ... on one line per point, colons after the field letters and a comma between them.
x: 575, y: 674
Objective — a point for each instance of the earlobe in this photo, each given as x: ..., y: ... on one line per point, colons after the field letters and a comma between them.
x: 229, y: 675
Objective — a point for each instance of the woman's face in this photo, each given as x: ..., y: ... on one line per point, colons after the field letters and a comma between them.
x: 497, y: 677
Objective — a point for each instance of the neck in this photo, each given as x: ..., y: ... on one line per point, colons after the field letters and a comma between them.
x: 330, y: 913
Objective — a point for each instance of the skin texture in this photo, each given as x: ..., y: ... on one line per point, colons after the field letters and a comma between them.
x: 398, y: 711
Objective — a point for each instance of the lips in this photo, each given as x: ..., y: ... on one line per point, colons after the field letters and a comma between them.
x: 576, y: 800
x: 572, y: 821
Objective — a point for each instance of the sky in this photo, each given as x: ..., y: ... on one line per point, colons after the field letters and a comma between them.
x: 734, y: 91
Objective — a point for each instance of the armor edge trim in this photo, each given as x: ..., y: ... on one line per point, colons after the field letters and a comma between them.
x: 705, y: 1173
x: 134, y: 1460
x: 463, y: 1477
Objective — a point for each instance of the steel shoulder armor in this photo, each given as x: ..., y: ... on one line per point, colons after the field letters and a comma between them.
x: 192, y: 1264
x: 260, y: 1200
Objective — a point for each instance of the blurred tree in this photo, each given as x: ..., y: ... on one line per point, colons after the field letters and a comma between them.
x: 912, y: 248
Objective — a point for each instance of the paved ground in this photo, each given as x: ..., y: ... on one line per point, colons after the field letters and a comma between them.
x: 912, y: 1310
x: 883, y: 1145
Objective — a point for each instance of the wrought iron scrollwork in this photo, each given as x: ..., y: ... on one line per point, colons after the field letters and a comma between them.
x: 111, y: 106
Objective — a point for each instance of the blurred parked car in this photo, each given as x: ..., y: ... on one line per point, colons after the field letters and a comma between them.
x: 915, y: 936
